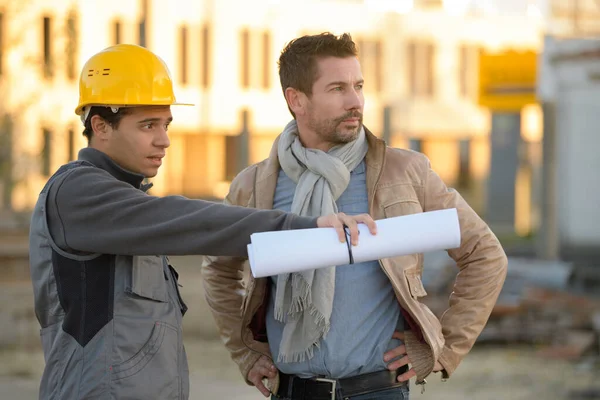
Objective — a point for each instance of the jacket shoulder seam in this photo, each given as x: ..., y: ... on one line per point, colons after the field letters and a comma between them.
x: 62, y: 181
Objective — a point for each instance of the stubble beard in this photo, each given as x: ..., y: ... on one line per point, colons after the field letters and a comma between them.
x: 333, y: 130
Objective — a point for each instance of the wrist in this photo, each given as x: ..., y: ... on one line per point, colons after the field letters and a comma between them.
x: 320, y: 222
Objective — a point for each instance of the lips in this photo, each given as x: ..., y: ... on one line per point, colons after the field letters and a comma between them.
x: 351, y: 118
x: 156, y: 160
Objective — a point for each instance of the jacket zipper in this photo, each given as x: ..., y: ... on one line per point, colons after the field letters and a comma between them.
x: 168, y: 271
x: 424, y: 381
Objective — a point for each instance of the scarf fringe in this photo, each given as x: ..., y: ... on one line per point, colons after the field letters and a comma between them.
x: 308, y: 353
x: 298, y: 303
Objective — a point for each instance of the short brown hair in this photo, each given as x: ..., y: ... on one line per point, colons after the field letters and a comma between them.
x: 298, y: 60
x: 111, y: 118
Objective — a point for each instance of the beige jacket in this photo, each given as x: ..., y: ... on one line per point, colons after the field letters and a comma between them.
x: 399, y: 182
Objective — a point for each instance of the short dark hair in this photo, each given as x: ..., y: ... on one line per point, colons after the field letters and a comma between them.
x: 111, y: 118
x: 298, y: 60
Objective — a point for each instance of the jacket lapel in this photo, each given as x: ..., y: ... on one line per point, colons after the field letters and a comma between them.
x: 375, y: 160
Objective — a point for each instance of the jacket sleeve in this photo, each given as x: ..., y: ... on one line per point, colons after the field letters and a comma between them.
x: 225, y: 291
x: 482, y: 267
x: 90, y: 211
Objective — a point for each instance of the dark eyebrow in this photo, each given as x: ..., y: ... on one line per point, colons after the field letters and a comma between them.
x: 341, y: 83
x: 169, y: 120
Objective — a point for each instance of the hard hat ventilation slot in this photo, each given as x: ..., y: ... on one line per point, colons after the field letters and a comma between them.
x: 106, y: 71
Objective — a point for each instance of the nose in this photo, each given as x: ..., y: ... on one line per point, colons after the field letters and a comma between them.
x: 162, y: 139
x: 354, y: 100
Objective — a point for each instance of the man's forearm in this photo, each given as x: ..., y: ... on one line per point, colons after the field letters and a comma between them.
x: 474, y: 295
x: 482, y: 267
x: 92, y: 212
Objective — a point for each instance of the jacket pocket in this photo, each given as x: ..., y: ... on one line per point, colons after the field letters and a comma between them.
x: 148, y: 278
x: 48, y: 337
x: 405, y: 206
x: 49, y: 387
x: 153, y: 371
x: 415, y: 284
x: 63, y: 358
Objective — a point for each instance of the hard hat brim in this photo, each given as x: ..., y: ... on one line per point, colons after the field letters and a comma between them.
x: 182, y: 104
x: 79, y: 109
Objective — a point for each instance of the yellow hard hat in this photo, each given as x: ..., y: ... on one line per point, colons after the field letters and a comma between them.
x: 125, y: 75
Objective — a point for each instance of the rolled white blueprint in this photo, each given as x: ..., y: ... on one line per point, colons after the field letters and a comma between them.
x: 280, y: 252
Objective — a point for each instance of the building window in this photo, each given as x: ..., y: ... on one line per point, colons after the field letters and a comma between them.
x: 1, y: 43
x: 411, y: 59
x: 255, y: 59
x: 266, y: 81
x: 429, y: 4
x: 71, y: 46
x: 421, y: 69
x: 245, y: 59
x: 370, y: 54
x: 46, y: 151
x: 237, y: 148
x: 430, y: 69
x: 143, y: 24
x: 232, y: 148
x: 416, y: 145
x: 117, y: 32
x: 467, y: 70
x: 464, y: 167
x: 47, y: 50
x: 378, y: 66
x: 205, y: 78
x: 6, y: 161
x: 71, y: 144
x: 183, y: 55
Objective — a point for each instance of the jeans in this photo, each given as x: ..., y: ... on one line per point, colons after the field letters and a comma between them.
x: 399, y: 393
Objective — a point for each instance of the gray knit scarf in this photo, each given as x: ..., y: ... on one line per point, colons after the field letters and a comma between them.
x: 304, y: 300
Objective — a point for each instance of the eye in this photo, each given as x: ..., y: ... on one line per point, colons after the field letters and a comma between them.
x: 337, y: 89
x: 359, y: 87
x: 148, y: 126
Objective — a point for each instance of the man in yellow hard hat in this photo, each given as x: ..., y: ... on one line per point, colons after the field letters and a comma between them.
x: 107, y: 301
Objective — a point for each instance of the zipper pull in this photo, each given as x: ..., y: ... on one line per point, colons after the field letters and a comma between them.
x: 422, y: 383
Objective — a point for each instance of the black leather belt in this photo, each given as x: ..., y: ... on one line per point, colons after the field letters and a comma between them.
x: 295, y: 388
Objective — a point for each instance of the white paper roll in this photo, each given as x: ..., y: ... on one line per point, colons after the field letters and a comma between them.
x: 279, y: 252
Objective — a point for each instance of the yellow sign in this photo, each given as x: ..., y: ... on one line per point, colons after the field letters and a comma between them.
x: 507, y: 81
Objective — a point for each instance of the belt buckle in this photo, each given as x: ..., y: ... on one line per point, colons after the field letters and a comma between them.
x: 333, y: 385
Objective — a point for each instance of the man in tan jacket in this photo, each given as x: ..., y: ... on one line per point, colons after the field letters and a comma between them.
x: 358, y: 331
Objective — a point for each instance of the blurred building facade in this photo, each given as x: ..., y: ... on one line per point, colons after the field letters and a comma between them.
x: 573, y: 18
x: 569, y: 89
x: 419, y: 60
